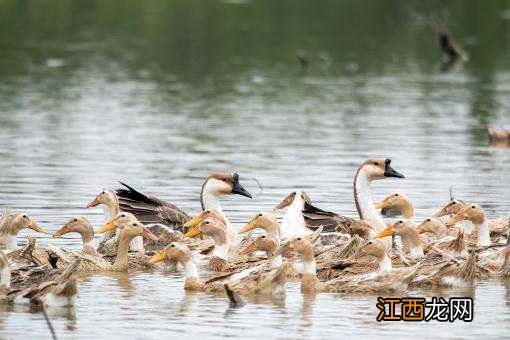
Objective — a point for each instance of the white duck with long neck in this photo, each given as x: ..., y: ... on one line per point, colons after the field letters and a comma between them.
x: 293, y: 224
x: 217, y: 185
x: 370, y: 170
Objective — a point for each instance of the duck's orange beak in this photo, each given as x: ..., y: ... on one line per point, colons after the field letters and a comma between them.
x: 193, y: 232
x: 107, y: 227
x: 420, y: 229
x: 92, y: 203
x: 33, y: 225
x: 160, y: 256
x: 385, y: 232
x: 249, y: 226
x: 62, y: 231
x: 453, y: 220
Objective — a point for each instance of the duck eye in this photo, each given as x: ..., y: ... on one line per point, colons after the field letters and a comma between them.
x: 473, y: 207
x: 376, y: 163
x: 75, y: 220
x: 396, y: 194
x: 172, y: 245
x: 260, y: 215
x: 25, y: 216
x: 370, y: 242
x: 400, y: 222
x: 263, y: 236
x: 299, y: 238
x: 428, y: 219
x: 122, y: 215
x: 207, y: 222
x: 103, y: 192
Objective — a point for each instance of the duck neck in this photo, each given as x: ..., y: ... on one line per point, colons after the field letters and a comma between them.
x: 275, y: 261
x: 221, y: 250
x: 408, y: 211
x: 121, y: 261
x: 363, y: 200
x: 190, y: 269
x: 5, y: 277
x: 482, y: 232
x: 385, y: 263
x: 11, y: 241
x: 413, y: 240
x: 309, y: 267
x: 293, y: 221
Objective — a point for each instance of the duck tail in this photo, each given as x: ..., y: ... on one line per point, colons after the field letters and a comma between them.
x: 233, y: 297
x: 467, y: 270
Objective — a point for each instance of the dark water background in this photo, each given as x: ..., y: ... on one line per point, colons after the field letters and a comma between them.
x: 161, y: 93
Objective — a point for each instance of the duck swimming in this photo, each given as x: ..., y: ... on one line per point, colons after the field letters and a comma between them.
x: 11, y: 225
x: 396, y: 204
x: 83, y: 227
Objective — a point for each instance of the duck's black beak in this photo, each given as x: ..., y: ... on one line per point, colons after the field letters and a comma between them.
x: 237, y: 188
x: 389, y: 171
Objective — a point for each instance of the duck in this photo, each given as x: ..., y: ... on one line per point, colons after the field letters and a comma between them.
x: 475, y: 214
x: 223, y: 251
x: 151, y: 209
x: 396, y: 204
x: 408, y: 234
x: 254, y: 279
x: 293, y: 223
x: 265, y: 221
x: 360, y: 228
x: 50, y: 292
x: 498, y: 137
x: 108, y: 246
x: 369, y: 257
x: 450, y: 49
x: 83, y: 227
x: 433, y: 226
x: 11, y: 225
x: 122, y: 262
x: 386, y: 279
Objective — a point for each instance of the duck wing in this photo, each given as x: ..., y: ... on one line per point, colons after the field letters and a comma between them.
x: 315, y: 217
x: 150, y: 209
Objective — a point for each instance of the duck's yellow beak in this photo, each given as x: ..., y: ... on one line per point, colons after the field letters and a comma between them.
x: 107, y: 227
x: 61, y: 231
x: 33, y: 225
x: 385, y: 232
x: 160, y: 256
x: 249, y: 226
x: 193, y: 232
x: 195, y: 221
x: 441, y: 213
x: 452, y: 221
x: 382, y: 204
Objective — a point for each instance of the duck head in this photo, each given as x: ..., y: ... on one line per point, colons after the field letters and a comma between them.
x: 379, y: 168
x: 303, y: 247
x: 400, y: 227
x: 222, y: 183
x: 431, y: 225
x: 396, y: 204
x: 450, y: 208
x: 289, y: 199
x: 263, y: 220
x: 371, y: 248
x: 266, y: 243
x: 119, y: 220
x: 175, y: 250
x: 78, y: 225
x: 473, y: 213
x: 193, y: 225
x: 104, y: 197
x: 130, y: 230
x: 23, y: 221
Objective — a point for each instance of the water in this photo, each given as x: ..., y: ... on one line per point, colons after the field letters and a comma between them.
x: 160, y: 95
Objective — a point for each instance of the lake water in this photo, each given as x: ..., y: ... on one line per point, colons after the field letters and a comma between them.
x: 160, y: 95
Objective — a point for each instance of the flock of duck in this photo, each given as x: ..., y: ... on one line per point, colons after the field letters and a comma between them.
x: 325, y: 251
